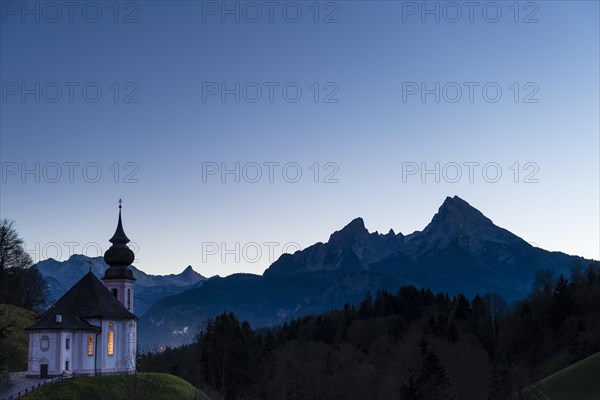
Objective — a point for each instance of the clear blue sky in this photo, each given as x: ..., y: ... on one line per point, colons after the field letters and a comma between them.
x: 158, y: 117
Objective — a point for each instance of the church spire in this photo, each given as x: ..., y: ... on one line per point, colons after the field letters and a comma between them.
x: 119, y: 256
x: 119, y: 237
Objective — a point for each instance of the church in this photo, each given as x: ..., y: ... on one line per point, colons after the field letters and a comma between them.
x: 91, y: 329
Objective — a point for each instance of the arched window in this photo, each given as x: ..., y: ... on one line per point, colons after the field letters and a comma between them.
x: 111, y: 340
x: 111, y: 343
x: 90, y: 345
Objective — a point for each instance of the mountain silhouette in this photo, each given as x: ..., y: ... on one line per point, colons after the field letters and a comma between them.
x: 459, y: 251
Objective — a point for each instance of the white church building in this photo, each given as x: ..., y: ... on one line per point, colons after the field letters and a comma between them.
x: 91, y: 329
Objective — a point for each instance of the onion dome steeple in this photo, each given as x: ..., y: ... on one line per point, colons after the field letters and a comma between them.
x: 119, y: 256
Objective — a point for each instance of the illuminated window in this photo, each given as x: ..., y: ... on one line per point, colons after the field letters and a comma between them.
x: 90, y: 345
x: 111, y: 343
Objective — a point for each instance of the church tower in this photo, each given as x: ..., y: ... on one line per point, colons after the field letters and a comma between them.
x: 118, y: 278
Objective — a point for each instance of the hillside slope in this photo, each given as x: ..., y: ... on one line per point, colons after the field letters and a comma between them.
x: 146, y: 386
x: 14, y: 350
x: 576, y: 382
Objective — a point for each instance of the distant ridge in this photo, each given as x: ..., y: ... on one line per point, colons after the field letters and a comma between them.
x: 60, y: 276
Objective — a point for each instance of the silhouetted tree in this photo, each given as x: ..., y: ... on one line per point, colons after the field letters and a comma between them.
x: 452, y: 333
x: 226, y: 356
x: 563, y: 301
x: 495, y: 309
x: 592, y: 274
x: 500, y: 382
x: 462, y: 310
x: 11, y: 245
x: 366, y: 307
x: 409, y: 390
x: 6, y: 325
x: 433, y: 383
x: 20, y: 284
x: 544, y: 281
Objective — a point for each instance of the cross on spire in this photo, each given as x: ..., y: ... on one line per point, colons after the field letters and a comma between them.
x: 119, y: 237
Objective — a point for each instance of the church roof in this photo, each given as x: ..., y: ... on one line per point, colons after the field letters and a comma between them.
x: 88, y: 298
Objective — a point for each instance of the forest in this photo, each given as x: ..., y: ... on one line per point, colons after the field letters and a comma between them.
x: 409, y: 345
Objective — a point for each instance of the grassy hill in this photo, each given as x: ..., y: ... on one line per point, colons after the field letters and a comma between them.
x: 146, y: 386
x: 14, y: 350
x: 579, y: 381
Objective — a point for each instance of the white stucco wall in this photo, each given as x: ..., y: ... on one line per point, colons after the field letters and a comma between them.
x: 82, y: 363
x: 45, y: 347
x: 124, y: 356
x: 49, y: 347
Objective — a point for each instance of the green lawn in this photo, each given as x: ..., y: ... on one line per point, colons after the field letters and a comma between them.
x: 580, y: 381
x: 142, y: 386
x: 15, y: 346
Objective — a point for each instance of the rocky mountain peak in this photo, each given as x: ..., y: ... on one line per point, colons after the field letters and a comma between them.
x: 349, y: 234
x: 455, y: 214
x: 191, y: 273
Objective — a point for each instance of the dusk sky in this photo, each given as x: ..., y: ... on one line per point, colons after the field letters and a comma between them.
x: 149, y: 101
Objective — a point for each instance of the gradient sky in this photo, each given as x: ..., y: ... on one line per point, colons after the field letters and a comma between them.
x: 170, y: 53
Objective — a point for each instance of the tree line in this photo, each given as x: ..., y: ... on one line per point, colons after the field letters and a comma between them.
x: 20, y: 284
x: 409, y: 345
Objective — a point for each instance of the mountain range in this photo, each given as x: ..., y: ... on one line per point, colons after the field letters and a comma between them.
x: 61, y: 276
x: 459, y: 251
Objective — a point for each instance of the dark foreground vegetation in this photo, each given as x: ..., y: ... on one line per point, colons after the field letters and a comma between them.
x: 20, y: 284
x: 22, y: 293
x: 409, y: 345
